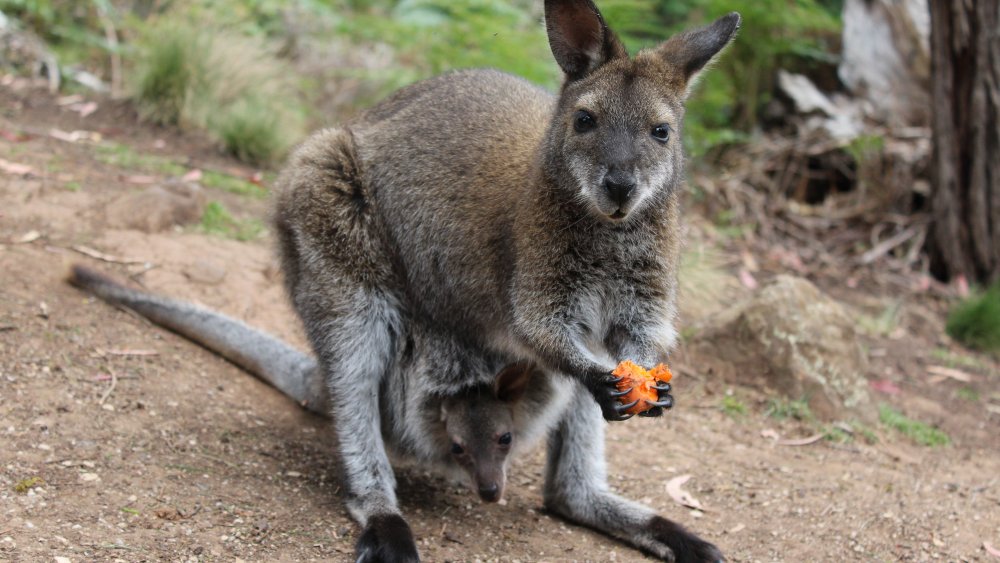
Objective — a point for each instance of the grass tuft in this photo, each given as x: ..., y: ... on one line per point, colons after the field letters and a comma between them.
x: 733, y: 406
x: 231, y: 85
x: 217, y: 220
x: 785, y: 408
x: 975, y: 322
x: 919, y: 432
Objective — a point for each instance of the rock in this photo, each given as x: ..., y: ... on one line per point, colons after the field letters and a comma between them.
x: 157, y: 208
x: 792, y: 339
x: 205, y: 272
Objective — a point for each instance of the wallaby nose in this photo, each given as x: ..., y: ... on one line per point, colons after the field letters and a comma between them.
x: 489, y: 493
x: 619, y: 186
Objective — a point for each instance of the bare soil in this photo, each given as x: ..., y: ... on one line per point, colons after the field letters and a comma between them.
x: 148, y: 447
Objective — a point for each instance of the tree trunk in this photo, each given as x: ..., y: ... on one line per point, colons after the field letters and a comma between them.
x: 964, y: 239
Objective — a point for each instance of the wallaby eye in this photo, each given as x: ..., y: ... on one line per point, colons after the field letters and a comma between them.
x: 505, y: 439
x: 583, y: 121
x: 457, y: 448
x: 661, y: 132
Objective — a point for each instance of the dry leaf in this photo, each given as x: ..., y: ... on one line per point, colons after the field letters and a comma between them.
x: 140, y: 179
x: 681, y: 496
x: 15, y: 168
x: 747, y: 279
x: 991, y: 550
x: 193, y: 175
x: 770, y: 434
x: 131, y: 352
x: 75, y: 136
x: 801, y: 441
x: 84, y: 109
x: 884, y: 386
x: 69, y: 100
x: 87, y: 251
x: 944, y: 373
x: 27, y: 237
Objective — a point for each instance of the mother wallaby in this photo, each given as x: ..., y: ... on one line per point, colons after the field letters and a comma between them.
x: 542, y: 228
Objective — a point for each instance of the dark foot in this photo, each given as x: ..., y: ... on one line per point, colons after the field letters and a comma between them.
x: 687, y: 547
x: 386, y: 539
x: 608, y: 397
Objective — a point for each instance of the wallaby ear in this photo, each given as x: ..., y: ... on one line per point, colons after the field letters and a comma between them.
x: 691, y: 50
x: 512, y: 381
x: 579, y: 38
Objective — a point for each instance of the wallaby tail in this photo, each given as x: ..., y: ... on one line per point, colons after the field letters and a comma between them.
x: 285, y: 368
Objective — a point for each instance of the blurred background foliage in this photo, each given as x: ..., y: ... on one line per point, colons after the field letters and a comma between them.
x: 232, y: 66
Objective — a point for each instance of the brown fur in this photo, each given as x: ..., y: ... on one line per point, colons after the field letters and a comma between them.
x: 523, y: 226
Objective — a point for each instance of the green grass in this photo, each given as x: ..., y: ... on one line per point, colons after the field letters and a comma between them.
x: 882, y: 324
x: 967, y: 394
x: 217, y: 79
x: 957, y: 360
x: 975, y: 322
x: 733, y: 406
x: 217, y: 220
x: 124, y: 156
x: 25, y: 485
x: 782, y: 409
x: 232, y: 184
x: 917, y: 431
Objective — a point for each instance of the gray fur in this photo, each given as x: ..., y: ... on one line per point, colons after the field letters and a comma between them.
x: 480, y: 208
x: 419, y: 422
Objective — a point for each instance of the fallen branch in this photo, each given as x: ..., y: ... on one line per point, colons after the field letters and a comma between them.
x: 87, y: 251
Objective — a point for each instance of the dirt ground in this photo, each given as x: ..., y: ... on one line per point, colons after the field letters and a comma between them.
x: 146, y: 447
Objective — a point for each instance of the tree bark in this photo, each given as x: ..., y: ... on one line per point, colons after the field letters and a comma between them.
x: 964, y: 239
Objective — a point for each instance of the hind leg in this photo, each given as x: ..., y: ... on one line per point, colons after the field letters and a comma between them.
x: 576, y: 488
x: 339, y: 276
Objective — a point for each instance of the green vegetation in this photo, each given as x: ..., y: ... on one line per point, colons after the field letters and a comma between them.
x: 957, y: 360
x: 226, y: 66
x: 967, y: 394
x: 884, y: 324
x: 232, y: 184
x: 217, y: 220
x: 733, y: 406
x: 919, y: 432
x: 229, y: 84
x: 124, y: 156
x: 782, y: 409
x: 25, y: 485
x: 975, y: 321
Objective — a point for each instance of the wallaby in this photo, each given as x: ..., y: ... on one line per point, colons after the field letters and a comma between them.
x: 540, y: 228
x: 472, y: 433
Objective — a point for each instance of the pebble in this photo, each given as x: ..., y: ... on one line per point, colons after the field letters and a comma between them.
x: 89, y: 477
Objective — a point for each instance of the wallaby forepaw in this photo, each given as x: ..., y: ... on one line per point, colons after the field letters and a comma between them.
x: 608, y: 397
x: 686, y: 547
x: 386, y: 539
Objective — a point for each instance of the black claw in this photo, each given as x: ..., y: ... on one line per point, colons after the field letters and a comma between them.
x: 617, y: 394
x: 652, y: 413
x: 625, y: 407
x: 613, y: 380
x: 666, y: 403
x: 662, y: 387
